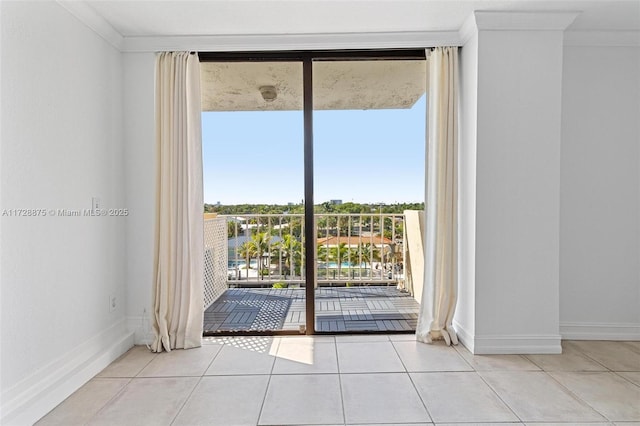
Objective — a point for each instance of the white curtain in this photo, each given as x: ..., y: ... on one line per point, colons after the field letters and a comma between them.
x: 441, y: 195
x: 179, y: 247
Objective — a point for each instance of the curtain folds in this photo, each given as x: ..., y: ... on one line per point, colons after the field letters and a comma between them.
x: 179, y: 247
x: 441, y: 195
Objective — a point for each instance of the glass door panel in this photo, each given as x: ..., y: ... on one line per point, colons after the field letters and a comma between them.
x: 369, y: 138
x: 252, y: 134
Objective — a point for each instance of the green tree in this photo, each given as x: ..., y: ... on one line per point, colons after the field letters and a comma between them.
x: 339, y: 254
x: 323, y: 253
x: 233, y: 228
x: 326, y: 207
x: 247, y: 252
x: 261, y: 242
x: 368, y: 253
x: 290, y: 250
x: 343, y: 225
x: 256, y: 247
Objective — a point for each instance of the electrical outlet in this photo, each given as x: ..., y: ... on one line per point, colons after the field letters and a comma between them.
x: 112, y: 303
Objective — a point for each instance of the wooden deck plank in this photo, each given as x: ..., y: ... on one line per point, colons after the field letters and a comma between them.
x: 337, y: 309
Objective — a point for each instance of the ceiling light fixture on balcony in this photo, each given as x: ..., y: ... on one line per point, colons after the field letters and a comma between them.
x: 269, y: 93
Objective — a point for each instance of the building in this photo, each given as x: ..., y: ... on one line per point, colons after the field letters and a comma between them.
x: 549, y: 224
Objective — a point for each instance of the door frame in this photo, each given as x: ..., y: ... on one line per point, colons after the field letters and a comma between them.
x: 307, y: 58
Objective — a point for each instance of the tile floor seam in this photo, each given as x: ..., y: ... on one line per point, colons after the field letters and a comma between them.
x: 583, y: 352
x: 406, y: 370
x: 361, y: 373
x: 297, y: 423
x: 614, y: 373
x: 576, y: 396
x: 526, y: 356
x: 631, y: 347
x: 184, y: 403
x: 455, y: 347
x: 424, y: 403
x: 155, y: 355
x: 204, y: 373
x: 344, y: 412
x: 266, y: 389
x: 275, y: 356
x: 498, y: 396
x: 617, y: 373
x: 108, y: 401
x: 192, y: 376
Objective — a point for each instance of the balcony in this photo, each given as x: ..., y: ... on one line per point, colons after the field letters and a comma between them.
x: 255, y: 273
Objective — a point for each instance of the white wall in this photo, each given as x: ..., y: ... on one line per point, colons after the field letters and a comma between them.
x: 600, y: 193
x: 140, y: 174
x: 61, y: 146
x: 518, y: 186
x: 465, y: 309
x: 550, y: 159
x: 514, y: 293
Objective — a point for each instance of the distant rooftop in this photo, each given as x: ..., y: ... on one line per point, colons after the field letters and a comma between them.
x: 354, y: 240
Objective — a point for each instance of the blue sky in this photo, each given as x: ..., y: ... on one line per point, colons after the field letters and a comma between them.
x: 361, y: 156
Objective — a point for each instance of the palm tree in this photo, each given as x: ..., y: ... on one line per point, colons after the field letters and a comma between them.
x: 323, y: 256
x: 323, y: 253
x: 261, y: 242
x: 368, y: 253
x: 343, y: 225
x: 247, y: 251
x: 289, y: 249
x: 256, y: 247
x: 339, y: 253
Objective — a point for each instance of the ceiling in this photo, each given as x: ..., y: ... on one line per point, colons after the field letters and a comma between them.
x: 162, y: 18
x: 152, y: 25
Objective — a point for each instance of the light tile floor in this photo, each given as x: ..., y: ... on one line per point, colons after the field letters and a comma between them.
x: 363, y: 380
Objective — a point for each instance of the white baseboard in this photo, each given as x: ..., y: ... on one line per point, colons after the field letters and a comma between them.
x: 517, y: 344
x: 141, y: 327
x: 464, y: 336
x: 599, y: 331
x: 508, y: 344
x: 36, y: 395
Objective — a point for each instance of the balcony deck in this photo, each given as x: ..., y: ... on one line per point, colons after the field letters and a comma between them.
x: 362, y: 308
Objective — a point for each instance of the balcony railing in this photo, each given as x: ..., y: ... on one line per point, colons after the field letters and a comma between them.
x: 265, y: 250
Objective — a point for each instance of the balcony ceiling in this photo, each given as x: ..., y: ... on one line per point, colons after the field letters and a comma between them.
x: 233, y: 86
x: 161, y: 18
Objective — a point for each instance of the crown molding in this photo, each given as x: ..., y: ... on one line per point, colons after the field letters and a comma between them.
x: 88, y: 16
x: 468, y: 29
x: 478, y: 20
x: 267, y: 42
x: 524, y: 21
x: 602, y: 38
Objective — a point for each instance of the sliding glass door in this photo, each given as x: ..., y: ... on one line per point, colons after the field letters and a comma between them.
x: 369, y: 137
x: 311, y: 159
x: 254, y: 187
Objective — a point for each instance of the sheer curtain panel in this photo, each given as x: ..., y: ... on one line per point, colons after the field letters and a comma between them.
x: 179, y: 248
x: 441, y: 196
